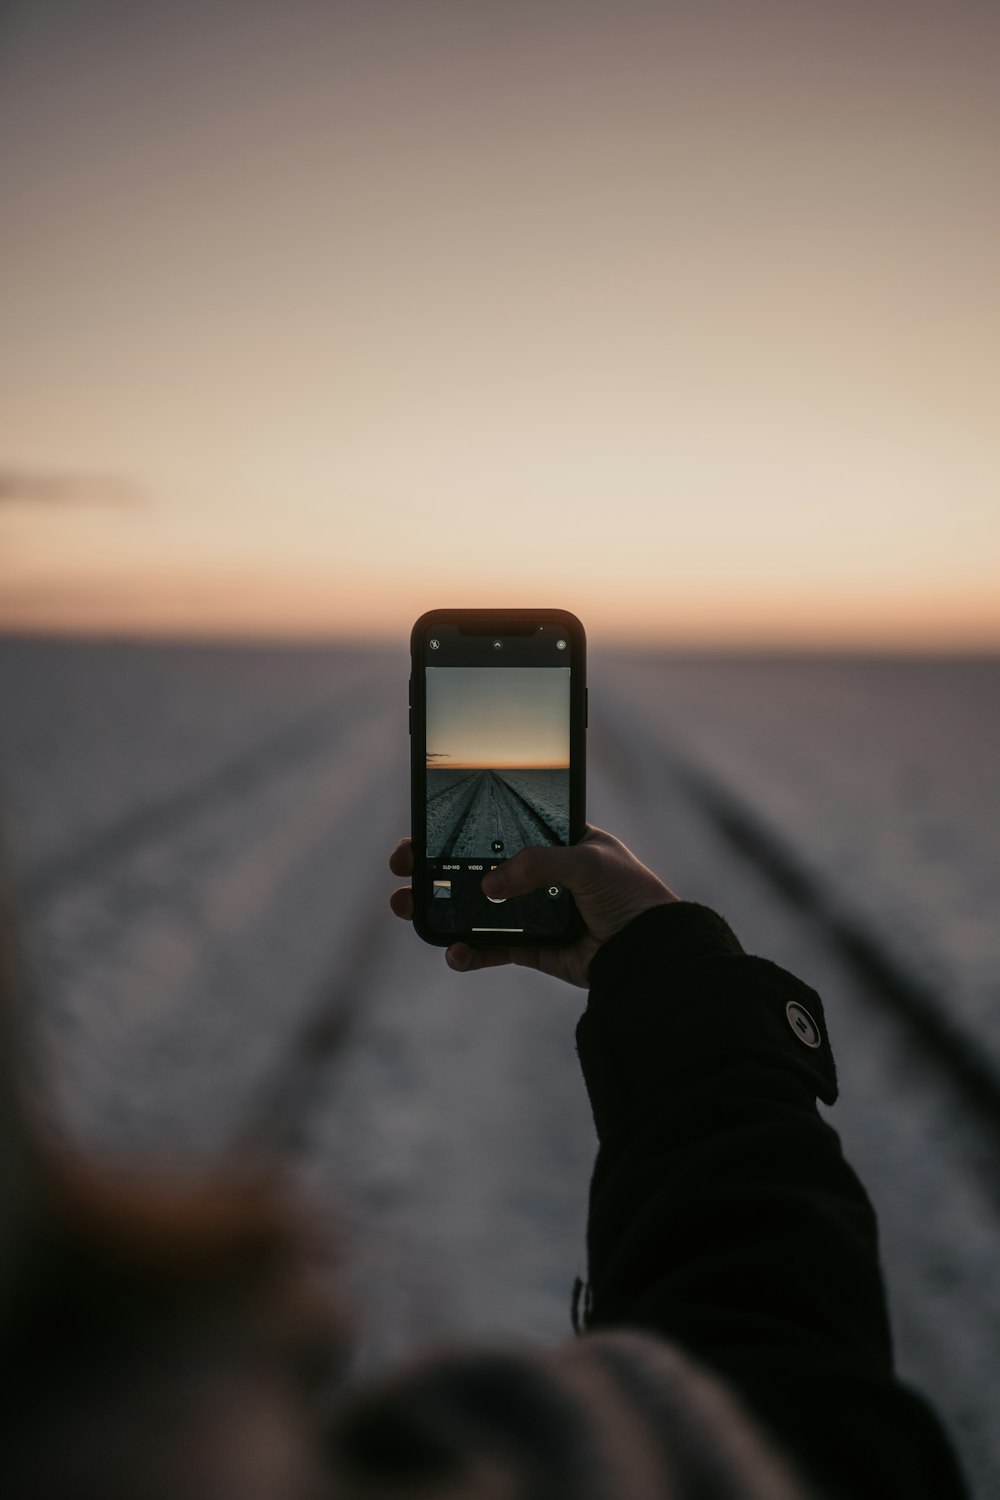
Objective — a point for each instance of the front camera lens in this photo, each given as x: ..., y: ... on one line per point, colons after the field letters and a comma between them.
x: 560, y: 645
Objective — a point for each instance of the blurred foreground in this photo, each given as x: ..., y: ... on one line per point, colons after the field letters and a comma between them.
x: 200, y: 836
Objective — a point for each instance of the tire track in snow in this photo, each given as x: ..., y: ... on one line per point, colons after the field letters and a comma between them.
x: 234, y: 778
x: 496, y: 812
x: 549, y: 834
x: 447, y: 809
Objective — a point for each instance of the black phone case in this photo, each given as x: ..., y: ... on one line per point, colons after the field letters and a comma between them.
x: 490, y: 621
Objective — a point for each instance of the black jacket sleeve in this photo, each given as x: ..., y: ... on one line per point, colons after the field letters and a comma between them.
x: 723, y: 1215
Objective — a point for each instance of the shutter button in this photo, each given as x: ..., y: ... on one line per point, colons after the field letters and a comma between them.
x: 802, y: 1024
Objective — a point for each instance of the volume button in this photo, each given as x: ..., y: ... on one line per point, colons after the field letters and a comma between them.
x: 586, y: 707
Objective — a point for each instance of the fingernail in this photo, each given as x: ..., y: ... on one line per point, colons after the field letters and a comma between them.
x: 493, y: 883
x: 457, y: 960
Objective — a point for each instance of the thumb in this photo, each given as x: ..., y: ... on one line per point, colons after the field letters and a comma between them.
x: 529, y: 870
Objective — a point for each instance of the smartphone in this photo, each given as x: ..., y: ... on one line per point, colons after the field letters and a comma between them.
x: 498, y: 717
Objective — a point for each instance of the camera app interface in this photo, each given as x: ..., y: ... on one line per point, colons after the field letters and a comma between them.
x: 498, y: 741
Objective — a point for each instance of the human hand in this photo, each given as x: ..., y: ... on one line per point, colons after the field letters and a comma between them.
x: 609, y: 885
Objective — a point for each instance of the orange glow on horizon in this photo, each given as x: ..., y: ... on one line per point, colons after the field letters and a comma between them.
x: 497, y: 765
x: 266, y: 606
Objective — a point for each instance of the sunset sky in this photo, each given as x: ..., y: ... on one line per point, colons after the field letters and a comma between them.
x: 498, y: 716
x: 683, y: 317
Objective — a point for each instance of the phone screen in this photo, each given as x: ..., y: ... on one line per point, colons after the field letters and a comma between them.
x: 499, y: 767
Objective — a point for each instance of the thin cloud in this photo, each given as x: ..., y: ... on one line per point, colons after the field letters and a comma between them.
x: 30, y: 487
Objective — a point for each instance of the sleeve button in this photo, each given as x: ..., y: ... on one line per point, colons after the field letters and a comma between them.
x: 803, y: 1025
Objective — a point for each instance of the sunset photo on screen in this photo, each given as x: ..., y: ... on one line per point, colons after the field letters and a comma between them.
x: 497, y: 760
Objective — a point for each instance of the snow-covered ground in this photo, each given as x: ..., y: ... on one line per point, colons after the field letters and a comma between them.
x: 200, y: 837
x: 547, y: 794
x: 473, y: 813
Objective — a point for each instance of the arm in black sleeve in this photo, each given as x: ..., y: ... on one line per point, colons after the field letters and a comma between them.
x: 723, y: 1215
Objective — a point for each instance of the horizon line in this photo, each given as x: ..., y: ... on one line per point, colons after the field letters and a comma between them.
x: 496, y: 765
